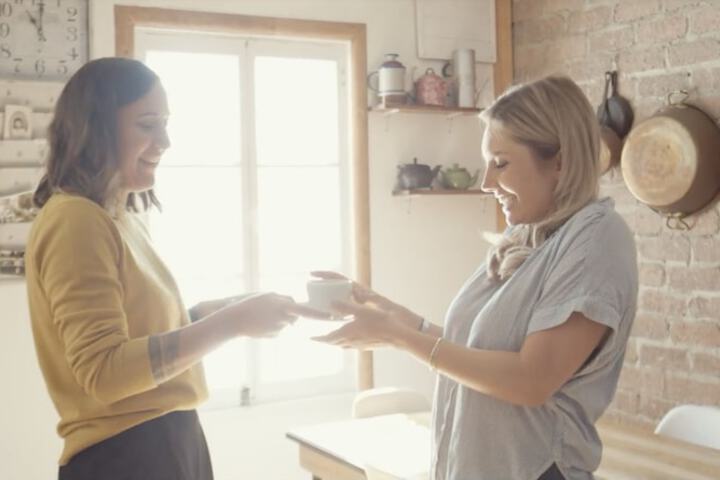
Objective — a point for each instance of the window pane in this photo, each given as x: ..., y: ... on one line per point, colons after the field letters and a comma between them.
x: 296, y: 108
x: 199, y: 231
x: 227, y: 366
x: 299, y: 219
x: 204, y: 96
x: 293, y: 356
x: 199, y: 234
x: 207, y: 232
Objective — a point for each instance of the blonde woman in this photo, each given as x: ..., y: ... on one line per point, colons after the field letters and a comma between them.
x: 533, y: 344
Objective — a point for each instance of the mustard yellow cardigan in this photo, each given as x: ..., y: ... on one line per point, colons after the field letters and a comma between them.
x: 97, y: 290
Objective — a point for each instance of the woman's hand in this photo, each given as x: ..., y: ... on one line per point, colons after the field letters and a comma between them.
x: 257, y: 315
x: 254, y: 315
x: 371, y: 327
x: 368, y: 297
x: 208, y: 307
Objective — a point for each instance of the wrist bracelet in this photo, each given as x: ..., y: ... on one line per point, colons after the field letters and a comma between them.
x: 433, y: 353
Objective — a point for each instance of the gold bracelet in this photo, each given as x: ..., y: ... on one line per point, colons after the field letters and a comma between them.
x: 433, y: 352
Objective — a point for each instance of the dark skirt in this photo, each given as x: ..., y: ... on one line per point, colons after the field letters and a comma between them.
x: 552, y: 473
x: 171, y: 447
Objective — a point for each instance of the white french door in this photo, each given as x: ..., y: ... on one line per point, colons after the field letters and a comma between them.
x: 255, y: 192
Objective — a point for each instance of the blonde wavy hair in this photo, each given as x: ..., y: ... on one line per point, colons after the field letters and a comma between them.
x: 550, y: 116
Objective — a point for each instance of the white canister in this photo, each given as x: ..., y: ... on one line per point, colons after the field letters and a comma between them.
x: 466, y: 94
x: 462, y: 70
x: 390, y: 79
x: 464, y: 62
x: 464, y: 66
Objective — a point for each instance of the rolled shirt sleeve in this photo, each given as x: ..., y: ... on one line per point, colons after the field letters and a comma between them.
x: 594, y: 273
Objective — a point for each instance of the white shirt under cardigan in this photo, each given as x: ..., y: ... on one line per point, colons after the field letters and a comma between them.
x: 589, y: 266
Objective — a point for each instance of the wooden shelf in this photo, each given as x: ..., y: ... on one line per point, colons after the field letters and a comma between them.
x: 429, y: 191
x: 450, y: 112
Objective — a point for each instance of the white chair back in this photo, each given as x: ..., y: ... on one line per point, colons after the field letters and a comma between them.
x: 698, y: 424
x: 387, y: 401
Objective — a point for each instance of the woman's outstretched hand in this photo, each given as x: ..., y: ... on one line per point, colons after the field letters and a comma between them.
x: 371, y: 327
x: 257, y: 315
x: 377, y: 321
x: 370, y: 298
x: 208, y: 307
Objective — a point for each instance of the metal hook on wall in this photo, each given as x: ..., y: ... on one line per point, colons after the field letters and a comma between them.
x: 676, y: 221
x: 684, y: 93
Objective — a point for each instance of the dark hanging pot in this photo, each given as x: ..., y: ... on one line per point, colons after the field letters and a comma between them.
x: 615, y: 111
x: 610, y: 149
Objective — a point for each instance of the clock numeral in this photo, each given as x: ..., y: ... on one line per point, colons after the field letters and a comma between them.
x: 72, y: 34
x: 62, y: 68
x: 40, y: 67
x: 5, y: 52
x: 73, y: 54
x: 17, y: 61
x: 6, y: 9
x: 72, y: 14
x: 4, y: 30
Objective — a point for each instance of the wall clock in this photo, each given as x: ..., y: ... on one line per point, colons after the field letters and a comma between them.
x: 42, y: 39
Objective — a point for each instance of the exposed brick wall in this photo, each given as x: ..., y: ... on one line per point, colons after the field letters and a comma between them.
x: 657, y: 46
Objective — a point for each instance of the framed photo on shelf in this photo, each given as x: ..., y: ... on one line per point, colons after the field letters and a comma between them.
x: 18, y: 124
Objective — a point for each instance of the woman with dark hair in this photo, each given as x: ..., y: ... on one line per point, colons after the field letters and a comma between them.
x: 117, y: 348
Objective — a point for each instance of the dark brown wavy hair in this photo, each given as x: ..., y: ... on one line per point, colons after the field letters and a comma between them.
x: 82, y: 136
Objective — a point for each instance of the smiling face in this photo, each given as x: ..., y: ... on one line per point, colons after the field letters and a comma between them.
x: 521, y: 182
x: 142, y: 139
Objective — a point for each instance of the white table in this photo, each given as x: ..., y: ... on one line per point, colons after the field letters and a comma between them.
x: 399, y: 445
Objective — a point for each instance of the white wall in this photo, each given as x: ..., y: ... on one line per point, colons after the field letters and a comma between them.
x: 29, y: 446
x: 422, y: 250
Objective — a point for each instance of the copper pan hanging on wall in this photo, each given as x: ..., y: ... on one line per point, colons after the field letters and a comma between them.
x: 671, y: 161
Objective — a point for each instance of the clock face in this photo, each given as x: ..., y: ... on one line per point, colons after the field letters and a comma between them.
x: 42, y: 39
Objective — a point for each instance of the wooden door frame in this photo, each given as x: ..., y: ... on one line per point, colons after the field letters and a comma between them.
x: 128, y: 18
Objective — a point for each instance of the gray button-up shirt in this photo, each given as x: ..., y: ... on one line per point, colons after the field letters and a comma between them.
x: 589, y: 266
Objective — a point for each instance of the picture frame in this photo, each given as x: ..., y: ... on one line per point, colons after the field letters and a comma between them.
x: 442, y: 26
x: 18, y: 122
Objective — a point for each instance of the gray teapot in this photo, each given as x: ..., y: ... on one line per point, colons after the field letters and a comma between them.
x: 415, y: 175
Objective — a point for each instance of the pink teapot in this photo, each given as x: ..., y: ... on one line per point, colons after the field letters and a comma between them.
x: 431, y: 89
